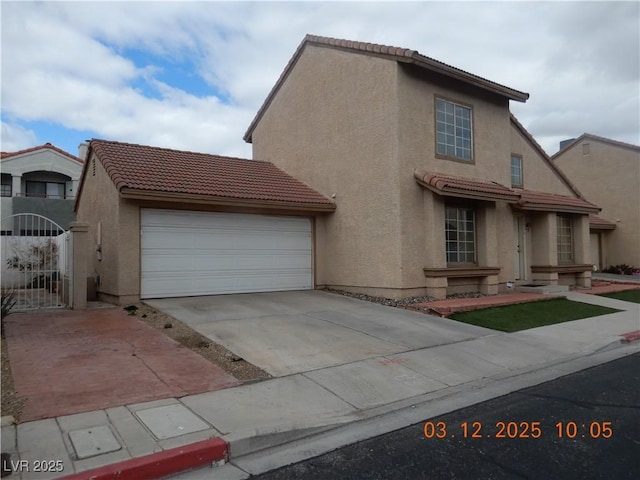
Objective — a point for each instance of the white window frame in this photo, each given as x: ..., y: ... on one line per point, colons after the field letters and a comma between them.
x: 460, y: 235
x: 516, y: 171
x: 564, y: 239
x: 454, y: 130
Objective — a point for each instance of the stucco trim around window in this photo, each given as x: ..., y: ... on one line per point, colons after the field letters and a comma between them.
x: 564, y: 239
x: 454, y: 130
x: 566, y: 268
x: 517, y: 170
x: 463, y: 271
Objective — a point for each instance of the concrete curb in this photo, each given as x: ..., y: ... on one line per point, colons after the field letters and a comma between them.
x: 160, y: 464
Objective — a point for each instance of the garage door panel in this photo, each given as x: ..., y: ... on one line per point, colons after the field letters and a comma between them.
x: 205, y: 282
x: 211, y: 240
x: 170, y: 263
x: 202, y: 253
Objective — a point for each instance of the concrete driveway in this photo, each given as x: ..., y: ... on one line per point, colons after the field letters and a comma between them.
x: 293, y: 332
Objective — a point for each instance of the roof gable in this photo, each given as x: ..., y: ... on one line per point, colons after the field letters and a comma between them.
x: 139, y: 169
x: 596, y: 138
x: 396, y: 54
x: 32, y: 150
x: 546, y: 159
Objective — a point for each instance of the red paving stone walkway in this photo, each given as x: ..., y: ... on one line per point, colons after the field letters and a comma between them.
x: 67, y: 362
x: 599, y: 287
x: 453, y: 305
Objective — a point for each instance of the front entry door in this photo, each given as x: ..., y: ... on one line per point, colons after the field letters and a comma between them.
x: 521, y: 253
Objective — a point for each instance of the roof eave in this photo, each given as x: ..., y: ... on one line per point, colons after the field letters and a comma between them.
x: 409, y: 57
x: 465, y: 77
x: 548, y: 207
x: 155, y: 195
x: 600, y: 226
x: 455, y: 192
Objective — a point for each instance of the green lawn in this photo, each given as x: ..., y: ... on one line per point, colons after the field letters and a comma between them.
x: 523, y: 316
x: 627, y: 295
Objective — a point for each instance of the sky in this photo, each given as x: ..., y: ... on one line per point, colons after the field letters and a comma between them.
x: 192, y: 75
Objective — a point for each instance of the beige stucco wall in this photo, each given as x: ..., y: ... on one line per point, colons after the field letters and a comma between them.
x: 536, y: 173
x: 609, y: 176
x: 98, y: 206
x: 334, y: 126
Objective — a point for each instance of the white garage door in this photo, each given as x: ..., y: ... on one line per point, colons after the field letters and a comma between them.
x: 187, y: 253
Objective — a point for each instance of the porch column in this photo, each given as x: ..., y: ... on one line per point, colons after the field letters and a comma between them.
x: 487, y: 245
x: 16, y: 187
x: 582, y: 248
x: 544, y: 240
x: 80, y: 233
x: 434, y: 243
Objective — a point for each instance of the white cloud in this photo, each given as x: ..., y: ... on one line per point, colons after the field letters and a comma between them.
x: 67, y: 63
x: 15, y: 137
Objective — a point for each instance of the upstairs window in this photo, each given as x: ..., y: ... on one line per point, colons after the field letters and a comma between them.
x: 7, y: 190
x: 460, y: 235
x: 45, y: 189
x: 516, y: 171
x: 453, y: 130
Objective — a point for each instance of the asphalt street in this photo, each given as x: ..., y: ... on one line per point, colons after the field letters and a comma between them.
x: 585, y: 425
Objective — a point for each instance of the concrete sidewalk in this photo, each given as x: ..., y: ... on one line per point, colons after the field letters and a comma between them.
x: 279, y: 421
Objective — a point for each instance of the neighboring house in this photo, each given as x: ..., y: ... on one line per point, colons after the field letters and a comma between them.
x: 607, y: 172
x: 438, y: 188
x: 166, y: 223
x: 40, y: 180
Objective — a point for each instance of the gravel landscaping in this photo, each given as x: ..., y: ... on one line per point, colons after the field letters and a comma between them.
x: 11, y: 403
x: 189, y: 338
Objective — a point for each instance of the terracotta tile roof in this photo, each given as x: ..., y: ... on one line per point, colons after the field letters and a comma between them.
x: 599, y: 223
x: 530, y: 200
x: 449, y: 185
x: 465, y: 187
x: 154, y: 169
x: 46, y: 146
x: 397, y: 54
x: 589, y: 136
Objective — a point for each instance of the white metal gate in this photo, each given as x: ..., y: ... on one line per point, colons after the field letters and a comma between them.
x: 35, y: 264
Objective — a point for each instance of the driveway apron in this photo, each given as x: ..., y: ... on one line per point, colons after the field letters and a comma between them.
x: 66, y: 362
x: 293, y: 332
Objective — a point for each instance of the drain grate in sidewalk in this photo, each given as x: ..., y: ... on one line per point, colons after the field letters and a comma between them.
x: 93, y: 441
x: 171, y: 421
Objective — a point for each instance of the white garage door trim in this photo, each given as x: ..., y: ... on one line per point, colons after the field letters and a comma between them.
x: 190, y: 253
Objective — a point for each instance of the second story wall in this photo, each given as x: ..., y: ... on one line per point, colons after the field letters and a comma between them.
x: 333, y: 125
x: 536, y: 172
x: 418, y: 91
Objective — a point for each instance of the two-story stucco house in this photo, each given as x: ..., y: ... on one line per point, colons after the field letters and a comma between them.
x: 607, y: 172
x: 438, y: 188
x: 41, y: 180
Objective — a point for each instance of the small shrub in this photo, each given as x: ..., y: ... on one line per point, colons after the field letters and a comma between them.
x: 8, y: 302
x: 623, y: 269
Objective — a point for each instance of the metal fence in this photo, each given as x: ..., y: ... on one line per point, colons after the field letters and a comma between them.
x: 35, y: 264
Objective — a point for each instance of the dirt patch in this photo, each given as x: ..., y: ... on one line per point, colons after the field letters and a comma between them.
x: 189, y: 338
x: 11, y: 403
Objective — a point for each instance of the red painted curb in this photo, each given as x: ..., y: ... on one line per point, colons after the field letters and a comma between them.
x: 160, y: 464
x: 631, y: 336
